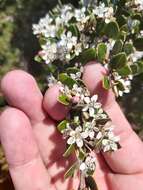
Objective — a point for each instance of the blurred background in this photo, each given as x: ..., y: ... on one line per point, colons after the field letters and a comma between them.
x: 18, y: 47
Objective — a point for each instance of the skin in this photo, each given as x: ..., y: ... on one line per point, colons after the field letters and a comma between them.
x: 34, y: 148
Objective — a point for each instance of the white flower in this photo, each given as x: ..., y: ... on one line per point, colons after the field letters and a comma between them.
x: 104, y: 12
x: 48, y: 53
x: 91, y: 105
x: 126, y: 83
x: 78, y: 91
x: 81, y: 16
x: 94, y: 108
x: 136, y: 56
x: 66, y: 13
x: 68, y: 40
x: 88, y: 132
x: 78, y: 48
x: 45, y: 27
x: 141, y: 32
x: 76, y: 137
x: 65, y: 89
x: 88, y: 165
x: 76, y: 75
x: 139, y: 3
x: 110, y: 143
x: 99, y: 135
x: 66, y: 45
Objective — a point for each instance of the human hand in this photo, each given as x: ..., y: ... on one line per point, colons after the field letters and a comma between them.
x: 34, y: 148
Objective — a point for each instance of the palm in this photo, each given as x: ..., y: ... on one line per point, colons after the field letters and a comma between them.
x: 56, y: 164
x: 36, y: 152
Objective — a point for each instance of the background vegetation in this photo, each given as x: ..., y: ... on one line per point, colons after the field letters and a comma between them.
x: 18, y: 47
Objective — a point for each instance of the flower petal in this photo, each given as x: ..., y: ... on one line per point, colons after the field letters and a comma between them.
x: 79, y: 142
x: 71, y: 140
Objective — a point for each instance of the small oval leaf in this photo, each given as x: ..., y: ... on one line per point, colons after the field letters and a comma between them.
x: 66, y: 80
x: 63, y: 99
x: 62, y: 125
x: 117, y: 47
x: 88, y: 55
x: 69, y: 150
x: 128, y: 48
x: 125, y: 71
x: 106, y: 83
x: 71, y: 170
x: 118, y: 61
x: 101, y: 52
x: 90, y: 183
x: 112, y: 30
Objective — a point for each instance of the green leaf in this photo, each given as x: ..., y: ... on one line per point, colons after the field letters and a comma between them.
x: 128, y: 48
x: 74, y: 30
x: 122, y: 35
x: 90, y: 183
x: 66, y: 80
x: 125, y: 28
x: 138, y: 43
x: 125, y: 71
x: 106, y: 83
x: 62, y: 125
x: 100, y: 27
x: 137, y: 16
x: 140, y: 65
x: 42, y: 40
x: 38, y: 59
x: 82, y: 154
x: 121, y: 20
x: 112, y: 30
x: 73, y: 70
x: 69, y: 150
x: 135, y: 69
x: 71, y: 170
x: 88, y: 55
x: 117, y: 47
x: 101, y: 52
x: 118, y: 61
x: 63, y: 99
x: 120, y: 86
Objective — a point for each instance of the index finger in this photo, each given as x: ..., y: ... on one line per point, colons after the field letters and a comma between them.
x: 129, y: 158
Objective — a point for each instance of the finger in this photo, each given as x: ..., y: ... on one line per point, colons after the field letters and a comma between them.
x: 21, y: 91
x: 55, y: 109
x: 27, y: 97
x: 124, y: 182
x: 26, y: 167
x: 130, y: 157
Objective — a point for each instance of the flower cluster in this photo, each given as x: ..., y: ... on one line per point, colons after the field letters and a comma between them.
x: 104, y: 12
x: 87, y: 128
x: 124, y: 84
x: 70, y: 37
x: 89, y: 165
x: 137, y: 4
x: 94, y: 31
